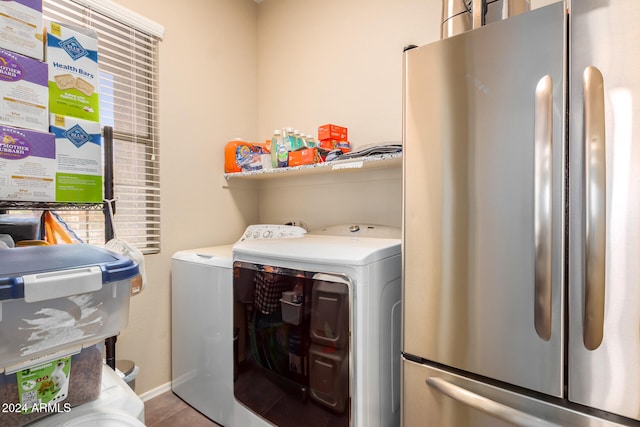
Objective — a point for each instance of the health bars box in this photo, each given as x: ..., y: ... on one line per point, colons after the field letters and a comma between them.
x: 78, y: 159
x: 72, y: 55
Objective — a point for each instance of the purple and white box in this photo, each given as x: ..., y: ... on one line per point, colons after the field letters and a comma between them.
x: 24, y: 92
x: 22, y: 27
x: 27, y: 165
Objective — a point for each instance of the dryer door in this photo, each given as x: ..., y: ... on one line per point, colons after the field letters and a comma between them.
x: 293, y: 344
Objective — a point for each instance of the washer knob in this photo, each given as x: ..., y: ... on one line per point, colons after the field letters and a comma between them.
x: 267, y: 234
x: 354, y: 228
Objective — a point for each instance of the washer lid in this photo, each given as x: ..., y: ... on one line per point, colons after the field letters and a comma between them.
x: 217, y: 256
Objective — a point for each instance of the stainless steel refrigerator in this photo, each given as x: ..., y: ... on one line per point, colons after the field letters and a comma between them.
x: 521, y: 301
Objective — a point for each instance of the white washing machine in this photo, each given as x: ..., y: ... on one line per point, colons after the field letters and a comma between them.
x: 320, y: 316
x: 201, y: 331
x: 117, y: 406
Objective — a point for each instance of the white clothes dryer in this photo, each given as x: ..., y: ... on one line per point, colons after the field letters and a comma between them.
x: 116, y: 406
x: 202, y: 331
x: 320, y: 314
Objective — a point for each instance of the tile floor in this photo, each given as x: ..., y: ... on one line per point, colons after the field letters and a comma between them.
x: 168, y: 410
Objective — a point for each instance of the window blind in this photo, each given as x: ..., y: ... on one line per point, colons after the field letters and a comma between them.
x: 128, y: 91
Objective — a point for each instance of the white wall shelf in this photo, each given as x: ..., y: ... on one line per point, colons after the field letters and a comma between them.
x: 379, y: 161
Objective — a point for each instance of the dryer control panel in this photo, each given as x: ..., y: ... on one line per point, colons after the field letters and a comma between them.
x: 272, y: 231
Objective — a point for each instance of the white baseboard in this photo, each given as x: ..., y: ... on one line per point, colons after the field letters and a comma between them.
x: 155, y: 392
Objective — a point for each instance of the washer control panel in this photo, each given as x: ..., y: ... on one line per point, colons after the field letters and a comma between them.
x: 272, y: 231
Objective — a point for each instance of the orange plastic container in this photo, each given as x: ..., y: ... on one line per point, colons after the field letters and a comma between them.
x: 235, y: 150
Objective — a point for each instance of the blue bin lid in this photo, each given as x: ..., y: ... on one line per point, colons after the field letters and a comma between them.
x: 20, y: 261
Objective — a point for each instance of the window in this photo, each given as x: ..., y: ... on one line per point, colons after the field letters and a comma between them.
x: 128, y: 90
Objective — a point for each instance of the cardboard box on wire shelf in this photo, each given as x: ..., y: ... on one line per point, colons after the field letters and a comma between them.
x: 24, y: 94
x: 22, y: 27
x: 78, y: 159
x: 27, y: 165
x: 72, y: 55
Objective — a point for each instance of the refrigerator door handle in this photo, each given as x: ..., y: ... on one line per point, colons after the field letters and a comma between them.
x: 488, y: 406
x: 595, y: 205
x: 543, y: 163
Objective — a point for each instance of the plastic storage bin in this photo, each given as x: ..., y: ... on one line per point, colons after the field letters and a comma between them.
x: 57, y: 305
x: 56, y: 297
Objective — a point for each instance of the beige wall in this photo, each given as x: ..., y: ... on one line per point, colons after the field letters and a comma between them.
x: 336, y: 61
x: 233, y: 68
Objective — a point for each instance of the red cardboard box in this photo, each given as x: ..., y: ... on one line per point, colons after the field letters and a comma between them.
x: 330, y: 131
